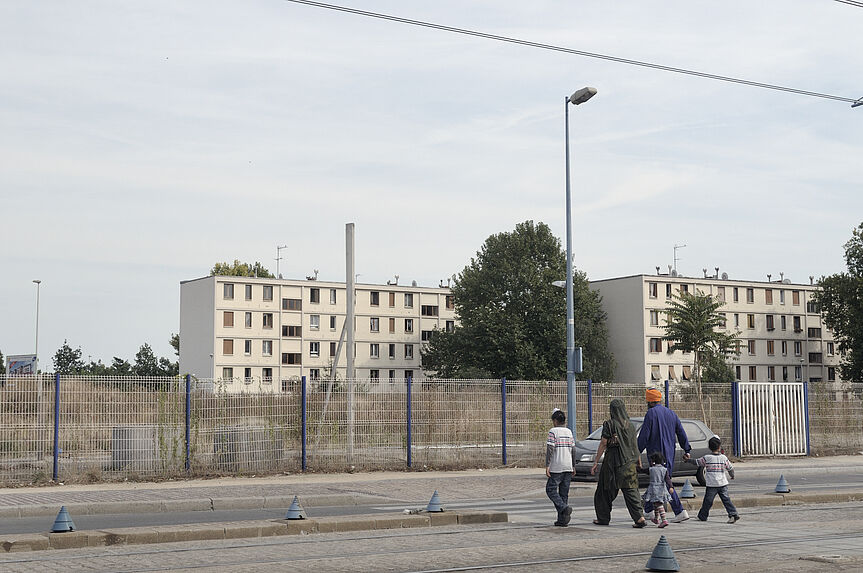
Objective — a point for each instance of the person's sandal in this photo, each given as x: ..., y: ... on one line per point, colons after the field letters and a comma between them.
x: 639, y: 524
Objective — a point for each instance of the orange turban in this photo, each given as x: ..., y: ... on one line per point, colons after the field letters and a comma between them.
x: 653, y: 395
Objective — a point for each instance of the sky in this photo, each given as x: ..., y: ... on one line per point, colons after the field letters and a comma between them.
x: 141, y: 142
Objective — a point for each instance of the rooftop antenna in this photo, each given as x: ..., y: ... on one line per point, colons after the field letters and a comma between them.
x: 675, y: 255
x: 279, y: 258
x: 717, y: 271
x: 768, y: 277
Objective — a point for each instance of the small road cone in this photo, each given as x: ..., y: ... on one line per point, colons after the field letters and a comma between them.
x: 782, y: 486
x: 63, y: 523
x: 687, y: 492
x: 434, y: 504
x: 295, y: 511
x: 662, y: 558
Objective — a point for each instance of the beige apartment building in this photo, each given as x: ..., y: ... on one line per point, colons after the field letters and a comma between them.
x: 782, y: 334
x: 261, y: 334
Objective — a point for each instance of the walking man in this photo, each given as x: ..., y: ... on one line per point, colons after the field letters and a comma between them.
x: 660, y: 430
x: 559, y: 456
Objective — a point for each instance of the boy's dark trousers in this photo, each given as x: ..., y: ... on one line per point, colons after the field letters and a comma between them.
x: 709, y: 495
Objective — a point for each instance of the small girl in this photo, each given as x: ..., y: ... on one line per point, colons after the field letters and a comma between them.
x: 659, y: 488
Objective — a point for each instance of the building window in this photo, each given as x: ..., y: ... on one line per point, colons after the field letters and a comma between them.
x: 248, y: 320
x: 655, y: 374
x: 720, y: 294
x: 652, y: 290
x: 292, y: 331
x: 784, y: 348
x: 267, y: 375
x: 770, y: 325
x: 798, y: 373
x: 268, y: 320
x: 798, y: 348
x: 753, y: 373
x: 723, y: 319
x: 736, y: 293
x: 375, y: 298
x: 814, y: 333
x: 375, y: 324
x: 314, y: 321
x: 812, y: 307
x: 409, y: 300
x: 374, y: 350
x: 750, y: 321
x: 228, y: 319
x: 771, y: 348
x: 228, y: 291
x: 267, y: 347
x: 781, y: 296
x: 314, y: 374
x: 332, y: 296
x: 392, y: 350
x: 315, y: 295
x: 268, y: 292
x: 392, y: 376
x: 428, y: 310
x: 409, y: 325
x: 247, y: 348
x: 450, y: 302
x: 227, y: 373
x: 392, y: 299
x: 737, y: 372
x: 785, y: 374
x: 654, y: 318
x: 797, y: 327
x: 450, y: 325
x: 684, y: 289
x: 771, y: 373
x: 409, y: 374
x: 687, y: 373
x: 830, y: 349
x: 314, y: 349
x: 292, y: 358
x: 751, y: 345
x: 228, y: 347
x: 656, y: 345
x: 668, y: 290
x: 332, y: 349
x: 831, y: 374
x: 392, y: 325
x: 409, y: 351
x: 750, y: 295
x: 795, y: 297
x: 375, y: 375
x: 782, y: 322
x: 736, y: 320
x: 426, y: 335
x: 248, y: 292
x: 815, y: 358
x: 768, y: 296
x: 247, y: 375
x: 292, y: 304
x: 332, y: 322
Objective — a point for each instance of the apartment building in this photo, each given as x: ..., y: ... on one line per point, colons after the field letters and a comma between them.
x: 781, y: 331
x: 264, y: 333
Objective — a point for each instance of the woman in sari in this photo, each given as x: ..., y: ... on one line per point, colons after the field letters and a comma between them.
x: 620, y: 468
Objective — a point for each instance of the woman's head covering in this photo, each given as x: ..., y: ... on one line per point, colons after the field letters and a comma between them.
x: 625, y: 431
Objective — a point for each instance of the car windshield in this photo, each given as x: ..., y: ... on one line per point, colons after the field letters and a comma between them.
x: 597, y: 433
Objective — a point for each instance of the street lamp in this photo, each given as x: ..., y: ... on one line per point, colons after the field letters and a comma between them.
x: 37, y: 282
x: 576, y: 98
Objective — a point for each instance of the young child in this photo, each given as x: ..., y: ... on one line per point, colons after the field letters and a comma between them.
x: 658, y: 492
x: 715, y: 465
x: 559, y: 457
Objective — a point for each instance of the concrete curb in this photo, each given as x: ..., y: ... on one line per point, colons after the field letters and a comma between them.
x: 241, y: 529
x: 778, y: 499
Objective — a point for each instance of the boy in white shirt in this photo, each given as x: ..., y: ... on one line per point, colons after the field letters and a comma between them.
x: 559, y: 457
x: 715, y: 465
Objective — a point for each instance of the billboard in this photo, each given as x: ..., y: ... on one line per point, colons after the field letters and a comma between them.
x: 21, y: 364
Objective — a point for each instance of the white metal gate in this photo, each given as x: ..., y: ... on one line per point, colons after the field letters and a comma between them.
x: 772, y: 418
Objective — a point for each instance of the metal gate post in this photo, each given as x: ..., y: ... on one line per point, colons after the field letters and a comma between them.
x: 56, y: 426
x: 409, y: 436
x: 590, y: 406
x: 667, y: 386
x: 188, y: 419
x: 806, y: 415
x: 735, y: 418
x: 503, y: 419
x: 303, y: 420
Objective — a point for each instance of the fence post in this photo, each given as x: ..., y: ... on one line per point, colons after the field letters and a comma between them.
x: 590, y: 406
x: 735, y: 417
x: 667, y: 386
x: 188, y: 421
x: 56, y: 427
x: 303, y: 423
x: 503, y: 419
x: 409, y: 437
x: 806, y: 414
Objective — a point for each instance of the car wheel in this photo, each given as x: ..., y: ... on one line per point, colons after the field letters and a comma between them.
x: 699, y: 476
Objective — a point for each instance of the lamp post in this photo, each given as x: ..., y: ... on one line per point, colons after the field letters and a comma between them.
x: 39, y: 413
x: 576, y: 98
x: 37, y: 282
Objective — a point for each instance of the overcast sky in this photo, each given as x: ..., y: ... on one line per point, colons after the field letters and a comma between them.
x: 140, y: 142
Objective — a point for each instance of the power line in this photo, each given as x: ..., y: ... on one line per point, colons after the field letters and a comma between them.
x: 554, y: 48
x: 851, y: 3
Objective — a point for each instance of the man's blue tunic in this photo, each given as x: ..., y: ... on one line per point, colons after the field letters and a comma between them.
x: 660, y: 430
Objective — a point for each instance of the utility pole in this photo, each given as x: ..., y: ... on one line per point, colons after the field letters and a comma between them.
x: 675, y: 256
x: 279, y: 258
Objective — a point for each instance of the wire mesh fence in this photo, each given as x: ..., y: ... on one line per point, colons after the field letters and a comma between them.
x: 110, y: 428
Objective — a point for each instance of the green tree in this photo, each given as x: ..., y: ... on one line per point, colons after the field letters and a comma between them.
x: 175, y: 342
x: 68, y: 360
x: 693, y: 323
x: 146, y: 363
x: 120, y: 367
x: 512, y: 318
x: 840, y: 299
x: 96, y: 369
x: 715, y: 369
x: 2, y: 364
x: 238, y: 269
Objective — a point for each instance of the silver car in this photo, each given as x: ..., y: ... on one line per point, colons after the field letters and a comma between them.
x: 696, y: 431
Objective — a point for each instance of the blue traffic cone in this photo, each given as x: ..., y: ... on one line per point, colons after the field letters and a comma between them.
x: 782, y: 486
x: 63, y: 523
x: 434, y: 504
x: 687, y: 491
x: 662, y: 558
x: 295, y: 511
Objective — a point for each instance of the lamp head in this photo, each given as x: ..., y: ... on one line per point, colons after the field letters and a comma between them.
x: 582, y: 96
